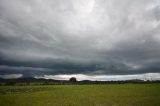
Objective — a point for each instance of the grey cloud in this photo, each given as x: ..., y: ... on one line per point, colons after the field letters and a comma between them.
x: 85, y: 36
x: 11, y: 76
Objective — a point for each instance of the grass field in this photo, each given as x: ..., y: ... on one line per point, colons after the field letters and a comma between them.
x: 81, y: 95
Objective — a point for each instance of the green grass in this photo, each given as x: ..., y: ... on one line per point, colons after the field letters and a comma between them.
x: 81, y: 95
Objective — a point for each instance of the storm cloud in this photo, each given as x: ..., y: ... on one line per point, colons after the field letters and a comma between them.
x: 90, y: 37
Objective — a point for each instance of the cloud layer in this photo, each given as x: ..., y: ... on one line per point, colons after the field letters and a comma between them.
x: 80, y: 77
x: 79, y: 37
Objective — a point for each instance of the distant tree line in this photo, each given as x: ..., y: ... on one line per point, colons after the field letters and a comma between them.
x: 72, y: 80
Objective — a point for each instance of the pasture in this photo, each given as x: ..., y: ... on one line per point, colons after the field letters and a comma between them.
x: 81, y: 95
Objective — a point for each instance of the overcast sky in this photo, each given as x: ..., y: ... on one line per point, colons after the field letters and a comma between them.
x: 88, y: 37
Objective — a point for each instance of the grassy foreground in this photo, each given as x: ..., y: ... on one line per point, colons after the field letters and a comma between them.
x: 81, y: 95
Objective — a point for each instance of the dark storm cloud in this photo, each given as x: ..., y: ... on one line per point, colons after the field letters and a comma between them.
x: 84, y: 36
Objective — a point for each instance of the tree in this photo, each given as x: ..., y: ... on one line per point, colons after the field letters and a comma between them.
x: 73, y: 79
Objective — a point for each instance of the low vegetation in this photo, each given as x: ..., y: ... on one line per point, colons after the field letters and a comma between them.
x: 81, y: 95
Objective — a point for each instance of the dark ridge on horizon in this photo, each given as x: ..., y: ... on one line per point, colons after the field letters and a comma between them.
x: 34, y: 81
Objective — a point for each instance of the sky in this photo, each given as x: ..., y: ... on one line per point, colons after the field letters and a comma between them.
x: 84, y: 38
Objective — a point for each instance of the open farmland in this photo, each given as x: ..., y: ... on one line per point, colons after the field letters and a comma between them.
x: 81, y: 95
